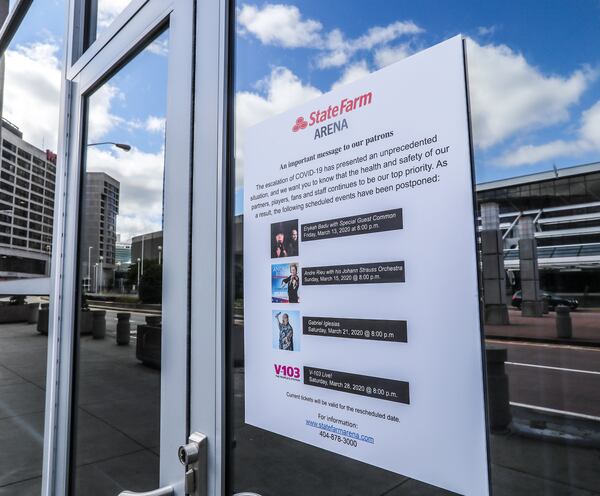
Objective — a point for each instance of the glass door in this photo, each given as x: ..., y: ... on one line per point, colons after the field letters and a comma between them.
x: 291, y: 323
x: 121, y: 395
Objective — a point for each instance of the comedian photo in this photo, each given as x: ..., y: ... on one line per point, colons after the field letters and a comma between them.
x: 285, y: 283
x: 286, y: 330
x: 284, y: 239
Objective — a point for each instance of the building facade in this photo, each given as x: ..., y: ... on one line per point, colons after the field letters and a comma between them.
x: 27, y: 187
x: 99, y: 235
x: 123, y: 253
x: 565, y: 208
x: 147, y: 246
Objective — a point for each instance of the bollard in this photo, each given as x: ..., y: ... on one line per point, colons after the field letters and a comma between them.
x: 86, y: 321
x: 498, y: 393
x: 42, y: 323
x: 34, y: 312
x: 99, y: 324
x: 564, y: 328
x: 153, y: 320
x: 123, y: 328
x: 545, y: 307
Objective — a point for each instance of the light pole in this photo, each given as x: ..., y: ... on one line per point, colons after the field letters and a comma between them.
x: 117, y: 269
x: 138, y: 271
x: 101, y: 274
x: 159, y: 255
x: 48, y: 251
x: 96, y: 277
x: 143, y: 237
x: 122, y: 146
x: 90, y: 267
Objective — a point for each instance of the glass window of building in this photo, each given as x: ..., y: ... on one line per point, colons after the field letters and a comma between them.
x: 30, y: 116
x: 30, y: 84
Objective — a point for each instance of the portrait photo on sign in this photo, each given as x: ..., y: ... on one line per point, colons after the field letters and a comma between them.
x: 286, y: 330
x: 285, y: 283
x: 284, y: 239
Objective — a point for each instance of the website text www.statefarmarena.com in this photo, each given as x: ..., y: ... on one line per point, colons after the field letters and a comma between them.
x: 345, y: 433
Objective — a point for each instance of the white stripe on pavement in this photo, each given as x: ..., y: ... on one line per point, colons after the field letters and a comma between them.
x: 542, y: 345
x: 552, y: 410
x: 579, y: 371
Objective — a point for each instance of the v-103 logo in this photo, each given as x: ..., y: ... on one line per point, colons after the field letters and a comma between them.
x: 287, y: 372
x: 345, y: 106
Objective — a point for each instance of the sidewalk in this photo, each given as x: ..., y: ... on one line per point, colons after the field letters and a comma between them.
x: 586, y: 328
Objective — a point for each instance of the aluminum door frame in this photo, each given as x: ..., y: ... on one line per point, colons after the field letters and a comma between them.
x: 212, y: 149
x: 132, y: 30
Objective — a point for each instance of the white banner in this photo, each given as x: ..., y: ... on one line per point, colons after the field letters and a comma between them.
x: 362, y: 331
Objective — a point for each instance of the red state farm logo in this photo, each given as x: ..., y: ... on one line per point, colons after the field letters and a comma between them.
x: 300, y: 124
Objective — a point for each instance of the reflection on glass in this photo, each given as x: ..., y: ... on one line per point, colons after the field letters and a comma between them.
x: 102, y: 15
x: 120, y: 253
x: 535, y: 110
x: 28, y: 140
x: 23, y: 350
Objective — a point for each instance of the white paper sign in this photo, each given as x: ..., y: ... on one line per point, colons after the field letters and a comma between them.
x: 362, y: 332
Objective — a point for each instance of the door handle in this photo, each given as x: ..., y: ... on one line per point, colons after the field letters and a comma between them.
x: 194, y: 457
x: 161, y: 491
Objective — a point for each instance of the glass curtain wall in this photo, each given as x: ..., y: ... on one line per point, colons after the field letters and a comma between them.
x: 535, y: 110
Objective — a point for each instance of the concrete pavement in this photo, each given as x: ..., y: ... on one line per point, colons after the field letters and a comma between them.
x: 119, y: 424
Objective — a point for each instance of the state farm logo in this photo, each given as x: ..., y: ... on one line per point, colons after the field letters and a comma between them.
x: 287, y: 372
x: 337, y: 112
x: 300, y: 124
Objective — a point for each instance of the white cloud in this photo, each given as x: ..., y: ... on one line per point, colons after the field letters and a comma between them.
x: 486, y: 30
x: 339, y: 50
x: 587, y: 140
x: 141, y: 178
x: 283, y: 90
x: 108, y: 10
x: 384, y: 34
x: 159, y: 47
x: 389, y: 54
x: 155, y: 124
x: 509, y: 95
x: 352, y: 73
x: 101, y: 119
x: 32, y: 92
x: 284, y: 25
x: 280, y: 25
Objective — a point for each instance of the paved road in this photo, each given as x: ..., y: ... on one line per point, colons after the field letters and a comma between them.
x: 545, y: 376
x: 555, y: 377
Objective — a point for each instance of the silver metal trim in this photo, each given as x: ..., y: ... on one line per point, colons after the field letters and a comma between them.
x: 80, y: 57
x: 13, y: 22
x: 208, y: 235
x: 539, y: 176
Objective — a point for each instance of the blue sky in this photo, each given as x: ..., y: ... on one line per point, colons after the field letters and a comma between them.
x: 556, y: 40
x: 534, y: 69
